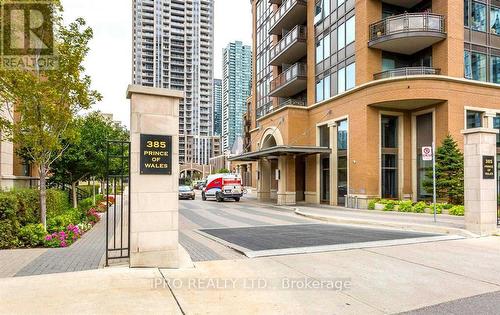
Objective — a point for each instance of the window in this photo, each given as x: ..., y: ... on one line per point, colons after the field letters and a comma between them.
x: 495, y: 69
x: 342, y: 163
x: 350, y: 80
x: 350, y: 30
x: 478, y: 16
x: 341, y: 36
x: 322, y: 10
x: 346, y: 78
x: 474, y: 119
x: 340, y: 2
x: 323, y: 48
x: 389, y: 158
x: 475, y: 66
x: 341, y: 81
x: 323, y: 89
x: 466, y: 13
x: 495, y: 20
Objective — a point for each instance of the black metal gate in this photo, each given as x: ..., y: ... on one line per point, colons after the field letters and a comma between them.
x: 118, y: 197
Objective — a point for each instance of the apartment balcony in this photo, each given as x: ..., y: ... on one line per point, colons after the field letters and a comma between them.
x: 290, y: 82
x: 407, y: 71
x: 269, y: 108
x: 407, y: 33
x: 290, y: 48
x: 289, y: 14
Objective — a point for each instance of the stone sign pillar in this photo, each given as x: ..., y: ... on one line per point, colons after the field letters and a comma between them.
x: 154, y: 177
x: 480, y: 183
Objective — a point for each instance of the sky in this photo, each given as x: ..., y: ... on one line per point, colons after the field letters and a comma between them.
x: 109, y: 61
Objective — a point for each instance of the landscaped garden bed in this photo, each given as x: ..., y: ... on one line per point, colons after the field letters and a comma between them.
x: 20, y: 219
x: 415, y: 207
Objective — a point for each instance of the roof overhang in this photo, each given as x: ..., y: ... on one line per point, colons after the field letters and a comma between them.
x: 276, y: 151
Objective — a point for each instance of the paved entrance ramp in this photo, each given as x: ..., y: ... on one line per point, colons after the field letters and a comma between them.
x: 309, y: 238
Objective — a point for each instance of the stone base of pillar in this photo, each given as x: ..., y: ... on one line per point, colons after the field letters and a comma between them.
x: 287, y: 198
x: 264, y: 195
x: 311, y: 197
x: 157, y: 259
x: 483, y: 222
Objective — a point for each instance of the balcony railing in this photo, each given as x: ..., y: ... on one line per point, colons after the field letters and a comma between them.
x: 269, y: 108
x: 298, y: 70
x: 291, y: 102
x: 401, y: 72
x: 298, y: 33
x: 283, y: 10
x: 408, y: 22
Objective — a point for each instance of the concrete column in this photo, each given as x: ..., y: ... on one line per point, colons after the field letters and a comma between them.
x: 154, y: 201
x: 480, y: 194
x: 264, y: 180
x: 286, y: 182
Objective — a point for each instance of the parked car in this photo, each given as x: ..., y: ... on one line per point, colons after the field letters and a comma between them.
x: 186, y: 192
x: 222, y: 186
x: 199, y: 184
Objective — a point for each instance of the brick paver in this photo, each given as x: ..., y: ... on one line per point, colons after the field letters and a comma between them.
x: 85, y: 254
x: 13, y: 260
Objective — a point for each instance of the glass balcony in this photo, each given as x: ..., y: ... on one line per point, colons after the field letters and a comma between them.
x: 290, y: 48
x: 289, y: 14
x: 408, y: 71
x: 407, y: 33
x: 290, y: 82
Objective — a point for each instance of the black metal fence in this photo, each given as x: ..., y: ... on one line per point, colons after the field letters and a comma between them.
x: 118, y: 200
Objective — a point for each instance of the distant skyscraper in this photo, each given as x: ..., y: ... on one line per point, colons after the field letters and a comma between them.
x: 237, y: 77
x: 217, y: 101
x: 173, y: 49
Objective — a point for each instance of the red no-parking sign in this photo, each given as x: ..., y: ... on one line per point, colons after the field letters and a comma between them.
x: 427, y: 153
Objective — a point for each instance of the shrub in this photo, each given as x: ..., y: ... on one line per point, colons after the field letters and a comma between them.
x: 405, y: 206
x: 8, y: 234
x: 371, y: 204
x: 439, y: 208
x: 419, y: 207
x: 60, y: 222
x: 8, y: 206
x: 28, y: 209
x: 389, y: 205
x: 93, y: 216
x: 31, y: 235
x: 63, y: 238
x: 57, y: 202
x: 85, y: 204
x: 457, y: 210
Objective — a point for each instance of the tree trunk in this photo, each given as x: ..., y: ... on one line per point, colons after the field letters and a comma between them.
x: 93, y: 191
x: 43, y: 196
x: 74, y: 195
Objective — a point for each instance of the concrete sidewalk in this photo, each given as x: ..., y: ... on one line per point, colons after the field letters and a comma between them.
x: 364, y: 281
x: 422, y: 222
x: 103, y: 291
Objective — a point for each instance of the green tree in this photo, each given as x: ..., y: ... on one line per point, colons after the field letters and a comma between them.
x: 223, y: 171
x: 45, y: 102
x: 449, y: 172
x: 86, y: 157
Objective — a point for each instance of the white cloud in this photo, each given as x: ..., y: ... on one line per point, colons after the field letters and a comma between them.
x: 109, y: 62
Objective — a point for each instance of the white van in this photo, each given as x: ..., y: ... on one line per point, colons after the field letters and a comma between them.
x: 222, y: 186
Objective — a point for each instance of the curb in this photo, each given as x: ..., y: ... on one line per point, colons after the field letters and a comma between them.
x: 397, y: 225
